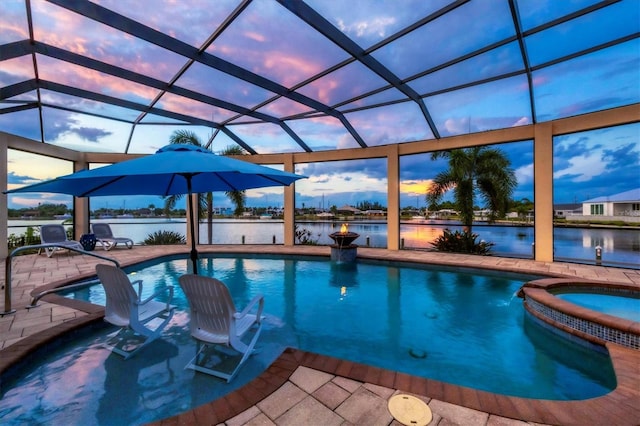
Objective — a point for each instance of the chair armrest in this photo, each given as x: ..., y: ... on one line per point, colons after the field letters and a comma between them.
x: 158, y: 293
x: 170, y: 298
x: 139, y: 282
x: 257, y: 299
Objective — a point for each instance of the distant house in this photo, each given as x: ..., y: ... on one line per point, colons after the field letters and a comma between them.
x: 442, y: 214
x: 145, y: 212
x: 223, y: 211
x: 30, y: 214
x: 481, y: 214
x: 348, y: 210
x: 569, y: 209
x: 325, y: 215
x: 623, y: 204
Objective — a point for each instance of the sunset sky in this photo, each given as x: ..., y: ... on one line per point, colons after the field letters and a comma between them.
x: 486, y: 90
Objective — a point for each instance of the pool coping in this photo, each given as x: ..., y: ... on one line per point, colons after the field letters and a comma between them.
x: 616, y: 407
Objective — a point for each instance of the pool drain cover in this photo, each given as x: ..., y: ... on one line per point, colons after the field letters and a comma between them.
x: 409, y: 410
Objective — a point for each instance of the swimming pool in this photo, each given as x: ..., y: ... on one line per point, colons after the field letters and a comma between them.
x: 458, y: 326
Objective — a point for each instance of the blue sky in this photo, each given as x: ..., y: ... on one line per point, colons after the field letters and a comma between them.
x: 488, y: 90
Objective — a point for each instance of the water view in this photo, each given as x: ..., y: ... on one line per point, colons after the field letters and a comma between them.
x: 620, y: 247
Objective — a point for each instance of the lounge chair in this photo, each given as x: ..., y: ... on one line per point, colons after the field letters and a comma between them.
x: 105, y: 237
x: 126, y: 309
x: 56, y: 234
x: 214, y: 321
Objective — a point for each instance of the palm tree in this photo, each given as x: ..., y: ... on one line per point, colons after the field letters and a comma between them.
x: 238, y: 198
x: 480, y: 171
x: 205, y: 201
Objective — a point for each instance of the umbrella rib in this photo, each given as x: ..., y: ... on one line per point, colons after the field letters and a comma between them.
x: 166, y: 191
x: 231, y: 187
x: 187, y: 176
x: 109, y: 182
x: 271, y: 179
x: 234, y: 188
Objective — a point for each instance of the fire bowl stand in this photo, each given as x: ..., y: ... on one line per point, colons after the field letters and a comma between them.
x: 343, y: 250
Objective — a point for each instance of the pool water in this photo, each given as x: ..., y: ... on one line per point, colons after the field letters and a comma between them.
x: 454, y: 325
x: 610, y: 304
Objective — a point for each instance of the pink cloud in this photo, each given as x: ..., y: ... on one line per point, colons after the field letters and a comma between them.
x: 540, y: 80
x: 326, y: 121
x: 456, y: 126
x: 255, y: 36
x: 184, y: 20
x: 282, y: 67
x: 322, y: 90
x: 283, y: 107
x: 66, y: 30
x: 522, y: 122
x: 18, y: 68
x: 14, y: 30
x: 182, y: 105
x: 84, y: 78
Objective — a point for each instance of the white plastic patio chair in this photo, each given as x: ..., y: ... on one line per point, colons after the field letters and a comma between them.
x: 126, y: 309
x: 56, y: 234
x: 215, y: 321
x: 105, y: 237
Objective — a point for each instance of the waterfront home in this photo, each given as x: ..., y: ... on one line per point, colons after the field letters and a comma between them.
x: 625, y: 205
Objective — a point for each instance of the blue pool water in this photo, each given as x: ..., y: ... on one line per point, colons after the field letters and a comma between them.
x: 610, y: 304
x: 458, y: 326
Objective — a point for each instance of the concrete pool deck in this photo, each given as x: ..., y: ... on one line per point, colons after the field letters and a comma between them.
x: 305, y: 388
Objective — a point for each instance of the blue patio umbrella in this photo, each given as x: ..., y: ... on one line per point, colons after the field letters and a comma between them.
x: 172, y: 170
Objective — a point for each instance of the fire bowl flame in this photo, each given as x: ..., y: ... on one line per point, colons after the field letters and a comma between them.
x: 344, y: 238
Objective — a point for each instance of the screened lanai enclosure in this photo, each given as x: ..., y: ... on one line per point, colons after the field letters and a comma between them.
x: 355, y: 94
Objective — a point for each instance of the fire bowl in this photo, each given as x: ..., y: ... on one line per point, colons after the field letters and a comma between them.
x: 343, y: 239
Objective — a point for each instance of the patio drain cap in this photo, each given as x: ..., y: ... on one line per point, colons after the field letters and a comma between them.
x: 409, y: 410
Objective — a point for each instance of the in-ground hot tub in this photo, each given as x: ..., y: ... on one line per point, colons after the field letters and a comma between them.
x: 599, y: 324
x: 618, y: 304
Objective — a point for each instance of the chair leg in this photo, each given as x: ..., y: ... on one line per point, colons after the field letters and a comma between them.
x: 137, y: 332
x: 201, y: 362
x: 126, y: 343
x: 246, y: 350
x: 143, y: 330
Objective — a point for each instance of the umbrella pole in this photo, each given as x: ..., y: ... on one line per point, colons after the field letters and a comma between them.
x: 194, y: 252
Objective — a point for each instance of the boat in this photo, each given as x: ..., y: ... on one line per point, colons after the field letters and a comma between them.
x: 266, y: 216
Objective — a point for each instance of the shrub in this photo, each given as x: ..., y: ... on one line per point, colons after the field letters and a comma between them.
x: 461, y: 242
x: 164, y: 238
x: 29, y: 238
x: 303, y: 236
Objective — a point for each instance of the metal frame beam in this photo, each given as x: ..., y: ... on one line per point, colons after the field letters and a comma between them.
x: 324, y: 27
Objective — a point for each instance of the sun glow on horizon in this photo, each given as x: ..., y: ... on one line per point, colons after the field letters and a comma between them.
x: 416, y: 188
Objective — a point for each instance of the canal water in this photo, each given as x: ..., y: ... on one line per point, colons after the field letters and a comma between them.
x: 620, y: 247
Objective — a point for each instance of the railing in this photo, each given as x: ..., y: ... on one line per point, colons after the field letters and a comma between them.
x: 7, y: 286
x: 37, y: 297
